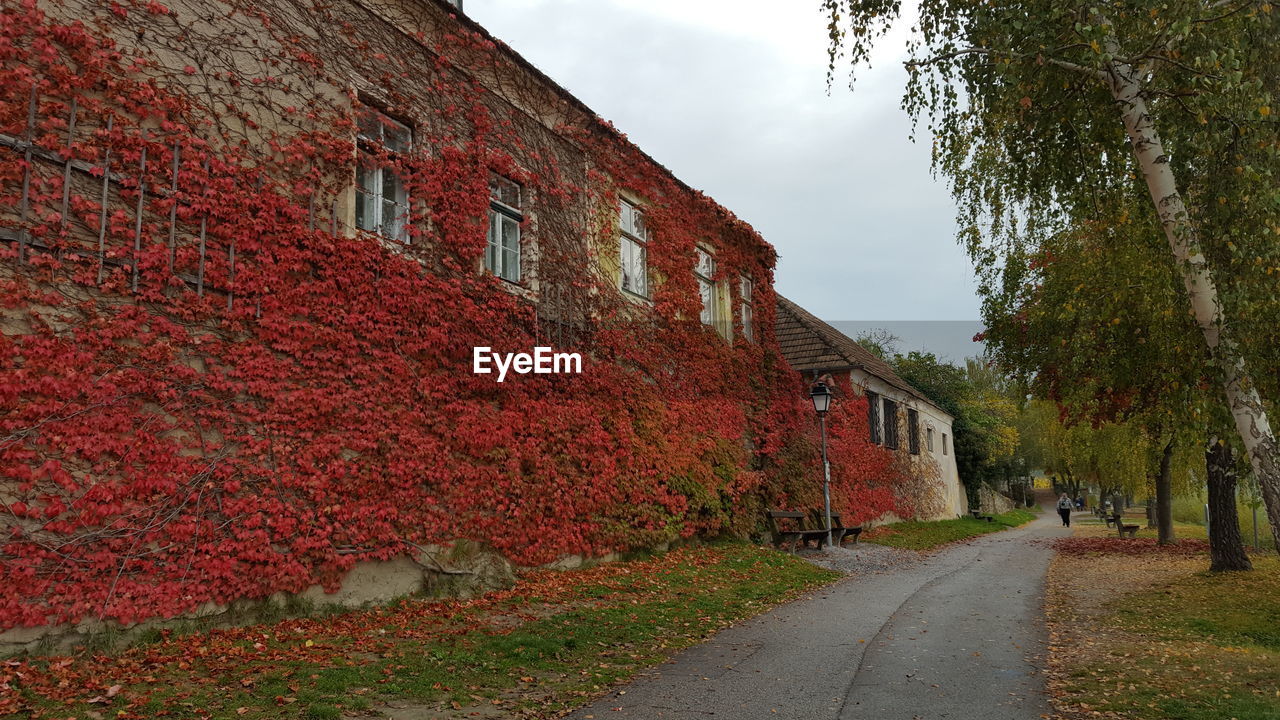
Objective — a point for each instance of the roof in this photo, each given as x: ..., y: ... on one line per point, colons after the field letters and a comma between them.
x: 811, y: 345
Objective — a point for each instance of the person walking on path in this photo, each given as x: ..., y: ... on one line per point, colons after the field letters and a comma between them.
x: 1064, y: 509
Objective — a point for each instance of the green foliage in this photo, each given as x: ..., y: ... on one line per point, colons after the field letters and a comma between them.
x: 880, y: 342
x: 1083, y: 299
x: 980, y: 400
x: 1189, y: 509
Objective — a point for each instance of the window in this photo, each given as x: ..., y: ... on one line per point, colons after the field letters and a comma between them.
x: 745, y: 309
x: 928, y: 438
x: 382, y: 202
x: 873, y: 416
x: 944, y: 443
x: 635, y: 237
x: 705, y: 270
x: 502, y: 255
x: 890, y: 424
x: 913, y: 431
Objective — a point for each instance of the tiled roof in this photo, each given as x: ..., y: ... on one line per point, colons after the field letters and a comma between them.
x: 810, y: 345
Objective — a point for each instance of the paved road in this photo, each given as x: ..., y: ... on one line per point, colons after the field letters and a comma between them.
x: 956, y: 635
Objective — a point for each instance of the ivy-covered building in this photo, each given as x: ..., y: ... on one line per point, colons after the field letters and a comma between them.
x: 899, y: 417
x: 247, y: 250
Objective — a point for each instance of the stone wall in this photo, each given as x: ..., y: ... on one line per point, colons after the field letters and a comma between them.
x: 462, y: 570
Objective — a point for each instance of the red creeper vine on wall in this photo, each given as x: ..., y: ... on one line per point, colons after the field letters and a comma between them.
x: 212, y: 387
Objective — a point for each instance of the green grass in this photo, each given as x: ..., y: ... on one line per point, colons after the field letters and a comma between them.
x: 1210, y: 650
x: 1181, y: 530
x: 1190, y: 510
x: 1194, y: 530
x: 613, y: 624
x: 1228, y: 609
x: 913, y: 535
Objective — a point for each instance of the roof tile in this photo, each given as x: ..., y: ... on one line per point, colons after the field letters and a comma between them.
x: 811, y: 345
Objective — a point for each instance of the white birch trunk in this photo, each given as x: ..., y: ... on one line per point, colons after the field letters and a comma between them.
x: 1242, y: 394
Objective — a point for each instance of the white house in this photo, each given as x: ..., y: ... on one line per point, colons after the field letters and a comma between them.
x: 900, y: 417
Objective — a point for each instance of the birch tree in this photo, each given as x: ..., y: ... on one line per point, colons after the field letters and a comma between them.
x: 1044, y: 112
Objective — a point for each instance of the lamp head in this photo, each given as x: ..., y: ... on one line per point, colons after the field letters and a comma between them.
x: 820, y: 394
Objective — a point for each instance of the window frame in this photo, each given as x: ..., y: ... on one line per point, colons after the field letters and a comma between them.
x: 944, y: 443
x: 501, y: 211
x: 873, y: 416
x: 928, y: 438
x: 370, y: 198
x: 638, y: 238
x: 913, y: 431
x: 708, y: 288
x: 746, y: 307
x: 889, y: 416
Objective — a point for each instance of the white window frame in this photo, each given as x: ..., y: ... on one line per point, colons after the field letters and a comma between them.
x: 372, y: 175
x: 928, y: 438
x: 500, y: 257
x: 704, y: 269
x: 633, y: 249
x: 746, y: 308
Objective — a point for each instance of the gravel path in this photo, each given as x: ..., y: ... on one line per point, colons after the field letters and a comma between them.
x: 951, y: 634
x: 863, y: 558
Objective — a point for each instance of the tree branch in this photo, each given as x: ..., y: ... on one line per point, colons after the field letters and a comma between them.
x: 1039, y: 58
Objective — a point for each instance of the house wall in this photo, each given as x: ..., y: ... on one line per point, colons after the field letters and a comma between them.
x: 255, y: 398
x: 933, y: 466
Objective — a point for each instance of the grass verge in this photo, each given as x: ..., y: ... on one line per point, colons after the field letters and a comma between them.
x: 553, y: 642
x: 914, y: 535
x: 1158, y: 637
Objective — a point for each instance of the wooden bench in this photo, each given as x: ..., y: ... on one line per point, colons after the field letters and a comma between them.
x: 979, y: 515
x: 1130, y: 530
x: 788, y: 525
x: 838, y: 531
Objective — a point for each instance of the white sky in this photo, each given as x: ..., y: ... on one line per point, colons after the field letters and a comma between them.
x: 731, y: 96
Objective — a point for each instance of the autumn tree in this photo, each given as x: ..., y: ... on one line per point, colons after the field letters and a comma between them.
x: 983, y: 413
x: 1048, y: 113
x: 1091, y: 322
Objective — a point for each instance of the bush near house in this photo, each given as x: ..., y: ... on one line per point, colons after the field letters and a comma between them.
x: 212, y: 388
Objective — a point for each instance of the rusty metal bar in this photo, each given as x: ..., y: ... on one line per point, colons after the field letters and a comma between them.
x: 311, y: 202
x: 102, y: 219
x: 66, y: 167
x: 137, y: 222
x: 173, y: 209
x: 204, y: 225
x: 231, y: 274
x: 26, y: 175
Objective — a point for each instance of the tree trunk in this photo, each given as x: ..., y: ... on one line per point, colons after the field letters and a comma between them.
x: 1226, y: 547
x: 1164, y: 496
x: 1151, y: 511
x: 1241, y: 392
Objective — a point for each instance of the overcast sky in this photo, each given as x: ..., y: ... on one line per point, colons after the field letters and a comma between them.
x: 731, y: 96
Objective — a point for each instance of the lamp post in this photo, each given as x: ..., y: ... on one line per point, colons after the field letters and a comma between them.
x: 820, y: 394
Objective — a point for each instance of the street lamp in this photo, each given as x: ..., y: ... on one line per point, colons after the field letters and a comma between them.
x: 820, y: 394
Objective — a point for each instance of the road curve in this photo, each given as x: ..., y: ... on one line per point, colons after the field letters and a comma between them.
x: 957, y: 635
